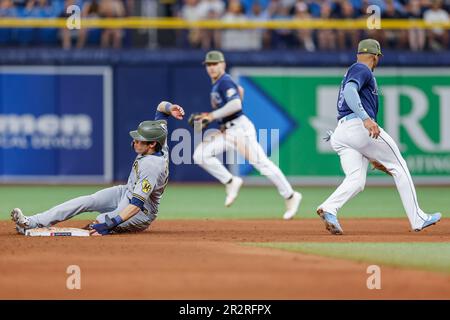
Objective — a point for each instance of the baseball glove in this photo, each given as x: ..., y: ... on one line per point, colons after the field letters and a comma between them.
x: 378, y: 166
x: 196, y: 117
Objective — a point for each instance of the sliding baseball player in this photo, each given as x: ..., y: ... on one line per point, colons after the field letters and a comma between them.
x: 238, y: 133
x: 359, y: 140
x: 124, y: 208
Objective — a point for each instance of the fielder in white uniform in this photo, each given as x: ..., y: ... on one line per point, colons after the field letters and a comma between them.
x: 359, y: 140
x: 238, y: 133
x: 124, y: 208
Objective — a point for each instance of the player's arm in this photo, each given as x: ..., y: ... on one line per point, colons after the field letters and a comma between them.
x: 166, y: 109
x: 104, y: 228
x: 353, y: 100
x: 231, y: 107
x: 232, y: 94
x: 136, y: 205
x: 241, y: 92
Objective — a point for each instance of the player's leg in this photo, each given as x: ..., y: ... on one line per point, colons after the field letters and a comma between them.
x: 244, y: 139
x: 354, y: 165
x: 137, y: 223
x: 101, y: 201
x: 385, y: 150
x: 205, y: 156
x: 249, y: 147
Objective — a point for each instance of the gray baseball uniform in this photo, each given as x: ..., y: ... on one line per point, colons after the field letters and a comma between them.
x: 147, y: 181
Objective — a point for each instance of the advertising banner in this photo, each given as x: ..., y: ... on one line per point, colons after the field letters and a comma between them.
x: 56, y: 124
x: 301, y: 104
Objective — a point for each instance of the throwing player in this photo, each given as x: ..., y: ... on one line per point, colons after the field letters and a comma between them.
x: 124, y: 208
x: 359, y: 140
x: 238, y: 133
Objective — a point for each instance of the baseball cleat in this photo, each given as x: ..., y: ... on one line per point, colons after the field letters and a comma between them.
x: 432, y: 220
x: 232, y: 190
x: 292, y: 205
x: 331, y: 222
x: 20, y: 230
x: 20, y: 219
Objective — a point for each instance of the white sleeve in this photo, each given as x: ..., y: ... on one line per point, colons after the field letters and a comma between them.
x: 228, y: 109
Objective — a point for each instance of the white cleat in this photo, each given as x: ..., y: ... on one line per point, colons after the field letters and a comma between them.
x: 292, y: 205
x: 20, y: 230
x: 20, y: 219
x: 432, y: 220
x: 232, y: 190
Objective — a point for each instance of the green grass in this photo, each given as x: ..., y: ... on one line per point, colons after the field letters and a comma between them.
x: 206, y: 201
x: 422, y: 256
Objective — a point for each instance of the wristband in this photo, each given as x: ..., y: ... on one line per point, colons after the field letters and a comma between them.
x: 167, y: 107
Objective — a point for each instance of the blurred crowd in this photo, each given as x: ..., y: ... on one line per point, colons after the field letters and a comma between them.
x: 229, y: 10
x: 313, y: 40
x: 58, y: 9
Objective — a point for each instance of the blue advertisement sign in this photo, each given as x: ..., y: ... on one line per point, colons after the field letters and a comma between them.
x: 56, y: 124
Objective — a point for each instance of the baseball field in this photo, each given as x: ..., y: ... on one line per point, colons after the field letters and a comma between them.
x: 197, y: 249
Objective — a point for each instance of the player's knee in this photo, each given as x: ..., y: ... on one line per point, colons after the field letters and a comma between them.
x: 200, y: 155
x: 197, y: 156
x: 357, y: 182
x: 89, y: 201
x: 360, y: 184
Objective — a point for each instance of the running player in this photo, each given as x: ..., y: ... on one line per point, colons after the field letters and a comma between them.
x: 359, y: 140
x: 239, y: 134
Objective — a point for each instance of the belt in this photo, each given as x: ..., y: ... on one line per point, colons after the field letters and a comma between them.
x: 229, y: 124
x: 348, y: 117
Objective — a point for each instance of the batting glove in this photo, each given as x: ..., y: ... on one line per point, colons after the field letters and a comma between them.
x: 105, y: 228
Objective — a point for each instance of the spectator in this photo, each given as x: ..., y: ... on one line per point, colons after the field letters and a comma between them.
x: 235, y: 39
x: 326, y: 37
x: 281, y: 38
x: 43, y: 9
x: 304, y: 35
x: 437, y: 37
x: 211, y: 10
x: 345, y: 38
x: 393, y: 38
x: 69, y: 36
x: 248, y: 5
x: 7, y: 9
x: 364, y: 13
x: 91, y: 10
x: 111, y: 9
x: 260, y: 13
x: 416, y: 37
x: 190, y: 12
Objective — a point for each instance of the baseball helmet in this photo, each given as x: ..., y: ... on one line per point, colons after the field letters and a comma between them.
x: 151, y: 131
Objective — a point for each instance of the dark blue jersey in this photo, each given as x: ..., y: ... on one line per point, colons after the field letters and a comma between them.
x: 223, y: 91
x: 360, y: 74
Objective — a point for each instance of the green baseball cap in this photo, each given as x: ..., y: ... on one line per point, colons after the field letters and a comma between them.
x: 214, y: 57
x: 369, y: 46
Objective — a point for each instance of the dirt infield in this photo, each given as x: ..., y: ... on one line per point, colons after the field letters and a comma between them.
x: 203, y: 259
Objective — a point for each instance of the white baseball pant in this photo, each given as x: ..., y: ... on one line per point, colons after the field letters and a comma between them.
x: 355, y: 148
x: 241, y: 137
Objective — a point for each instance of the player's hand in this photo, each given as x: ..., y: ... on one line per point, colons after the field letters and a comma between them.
x: 204, y: 117
x: 372, y: 127
x: 100, y: 228
x: 177, y: 112
x: 94, y: 233
x: 378, y: 166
